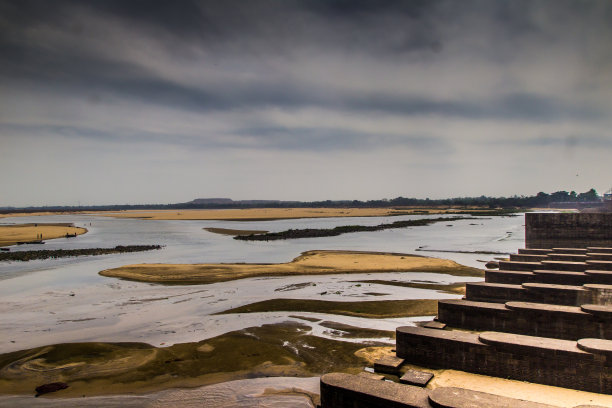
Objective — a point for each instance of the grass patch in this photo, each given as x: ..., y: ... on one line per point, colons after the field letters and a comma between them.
x: 369, y: 309
x: 454, y: 288
x: 114, y: 368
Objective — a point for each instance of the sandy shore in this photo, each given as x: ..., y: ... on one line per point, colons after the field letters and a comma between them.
x: 12, y: 234
x: 308, y: 263
x: 259, y: 214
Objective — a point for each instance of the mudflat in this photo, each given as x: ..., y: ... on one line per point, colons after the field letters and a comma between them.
x: 317, y: 262
x: 13, y: 234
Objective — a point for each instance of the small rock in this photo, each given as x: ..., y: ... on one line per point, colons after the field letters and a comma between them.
x: 51, y: 387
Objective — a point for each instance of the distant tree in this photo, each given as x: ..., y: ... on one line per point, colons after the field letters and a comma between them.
x: 590, y: 195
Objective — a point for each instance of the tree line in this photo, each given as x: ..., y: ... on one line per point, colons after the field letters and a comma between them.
x: 539, y: 200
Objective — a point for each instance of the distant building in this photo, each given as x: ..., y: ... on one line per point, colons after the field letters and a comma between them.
x: 607, y: 200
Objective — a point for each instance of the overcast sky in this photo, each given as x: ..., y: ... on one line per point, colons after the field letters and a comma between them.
x: 133, y: 101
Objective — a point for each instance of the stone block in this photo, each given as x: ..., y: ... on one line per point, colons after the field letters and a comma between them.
x: 599, y: 265
x: 416, y: 377
x: 519, y: 266
x: 525, y: 358
x: 435, y: 325
x: 339, y: 390
x: 371, y: 375
x: 388, y: 364
x: 564, y: 266
x: 509, y: 277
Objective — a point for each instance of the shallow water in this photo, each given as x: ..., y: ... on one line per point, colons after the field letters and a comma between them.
x: 65, y: 300
x: 253, y: 393
x: 51, y: 301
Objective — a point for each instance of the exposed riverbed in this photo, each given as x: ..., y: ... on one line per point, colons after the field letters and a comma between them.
x: 65, y: 300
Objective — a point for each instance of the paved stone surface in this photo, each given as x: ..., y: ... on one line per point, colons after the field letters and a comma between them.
x: 388, y: 364
x: 543, y: 307
x: 596, y: 346
x: 451, y: 397
x: 604, y: 311
x: 552, y: 286
x: 415, y: 377
x: 435, y: 325
x: 472, y: 304
x: 569, y: 250
x: 599, y: 249
x: 372, y: 376
x: 519, y: 341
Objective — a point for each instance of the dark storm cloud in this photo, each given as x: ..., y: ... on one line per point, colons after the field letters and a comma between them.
x: 264, y: 28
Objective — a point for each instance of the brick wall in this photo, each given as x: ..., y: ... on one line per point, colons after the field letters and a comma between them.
x: 568, y: 230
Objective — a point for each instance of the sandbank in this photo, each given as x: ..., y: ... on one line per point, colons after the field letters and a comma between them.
x: 260, y: 214
x: 12, y: 234
x: 317, y: 262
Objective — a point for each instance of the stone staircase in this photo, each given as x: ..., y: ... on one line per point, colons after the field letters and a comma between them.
x: 545, y: 316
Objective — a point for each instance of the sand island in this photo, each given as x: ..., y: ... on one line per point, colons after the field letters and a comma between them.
x: 308, y: 263
x: 25, y: 233
x: 261, y: 214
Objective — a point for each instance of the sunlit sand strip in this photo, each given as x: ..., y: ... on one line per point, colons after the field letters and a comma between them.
x: 259, y: 214
x: 309, y: 263
x: 13, y: 234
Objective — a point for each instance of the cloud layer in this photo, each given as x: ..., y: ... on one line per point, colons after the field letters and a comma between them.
x: 155, y: 101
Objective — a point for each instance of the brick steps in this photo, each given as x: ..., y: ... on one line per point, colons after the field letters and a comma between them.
x: 600, y: 256
x: 340, y: 390
x: 527, y: 258
x: 528, y: 318
x: 559, y: 363
x: 534, y: 251
x: 569, y: 295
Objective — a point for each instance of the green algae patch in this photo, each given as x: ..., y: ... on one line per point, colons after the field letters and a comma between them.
x: 114, y: 368
x: 369, y: 309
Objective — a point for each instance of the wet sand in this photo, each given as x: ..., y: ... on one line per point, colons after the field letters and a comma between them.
x: 12, y: 234
x: 90, y: 369
x: 308, y: 263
